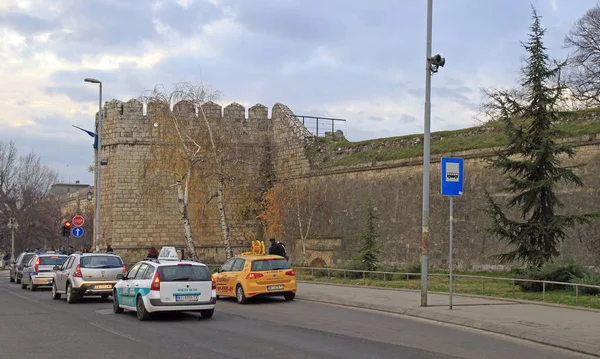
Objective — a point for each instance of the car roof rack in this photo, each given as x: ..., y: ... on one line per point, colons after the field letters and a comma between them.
x: 152, y: 260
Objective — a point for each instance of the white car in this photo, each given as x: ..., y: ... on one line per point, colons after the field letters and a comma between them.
x: 166, y: 284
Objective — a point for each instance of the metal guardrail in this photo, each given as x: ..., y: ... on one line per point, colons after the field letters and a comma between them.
x: 313, y: 124
x: 408, y: 276
x: 483, y: 278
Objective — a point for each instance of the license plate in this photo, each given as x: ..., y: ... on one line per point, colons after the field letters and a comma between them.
x: 107, y: 286
x: 186, y: 298
x: 275, y: 287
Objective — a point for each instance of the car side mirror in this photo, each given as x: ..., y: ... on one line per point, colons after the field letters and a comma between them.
x: 218, y: 270
x: 121, y: 276
x: 55, y: 268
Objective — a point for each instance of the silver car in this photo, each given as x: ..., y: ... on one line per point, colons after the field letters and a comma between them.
x: 87, y: 274
x: 17, y: 266
x: 39, y: 271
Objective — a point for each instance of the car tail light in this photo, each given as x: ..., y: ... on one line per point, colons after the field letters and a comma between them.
x: 214, y: 282
x: 124, y: 270
x: 155, y: 282
x: 290, y: 272
x: 254, y: 275
x: 77, y: 272
x: 37, y: 264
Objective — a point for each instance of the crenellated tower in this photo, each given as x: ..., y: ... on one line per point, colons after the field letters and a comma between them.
x: 132, y: 226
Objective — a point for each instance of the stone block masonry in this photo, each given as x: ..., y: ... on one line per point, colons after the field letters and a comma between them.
x: 277, y: 147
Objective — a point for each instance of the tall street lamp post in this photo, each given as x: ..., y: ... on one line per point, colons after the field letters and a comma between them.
x: 98, y: 162
x: 432, y: 64
x: 12, y: 225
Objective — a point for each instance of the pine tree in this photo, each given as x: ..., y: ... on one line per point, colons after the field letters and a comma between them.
x: 531, y: 161
x: 369, y: 251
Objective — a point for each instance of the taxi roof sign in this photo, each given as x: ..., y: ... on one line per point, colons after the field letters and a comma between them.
x: 168, y: 253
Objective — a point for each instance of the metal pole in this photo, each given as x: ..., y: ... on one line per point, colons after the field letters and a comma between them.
x: 426, y: 162
x: 99, y: 160
x: 450, y: 252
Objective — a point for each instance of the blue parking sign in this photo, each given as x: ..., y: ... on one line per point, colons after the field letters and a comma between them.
x: 452, y: 176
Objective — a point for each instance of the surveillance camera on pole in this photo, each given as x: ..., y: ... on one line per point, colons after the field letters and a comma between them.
x: 435, y: 62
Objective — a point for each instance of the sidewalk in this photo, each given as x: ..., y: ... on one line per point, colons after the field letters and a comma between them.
x: 572, y: 329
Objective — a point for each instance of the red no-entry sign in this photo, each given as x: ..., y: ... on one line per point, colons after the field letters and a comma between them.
x: 78, y: 221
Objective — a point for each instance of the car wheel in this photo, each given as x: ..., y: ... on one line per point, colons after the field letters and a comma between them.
x: 289, y: 296
x: 32, y: 286
x: 207, y: 313
x: 23, y: 285
x: 55, y: 294
x: 116, y: 307
x: 142, y: 313
x: 71, y: 297
x: 239, y: 295
x: 11, y: 278
x: 17, y: 280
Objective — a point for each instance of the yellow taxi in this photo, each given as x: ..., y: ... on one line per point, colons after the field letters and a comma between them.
x: 250, y: 275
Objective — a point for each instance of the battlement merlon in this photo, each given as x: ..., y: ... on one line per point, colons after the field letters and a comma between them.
x: 131, y: 122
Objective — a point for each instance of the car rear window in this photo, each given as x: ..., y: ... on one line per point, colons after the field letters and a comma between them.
x: 27, y: 257
x: 100, y: 261
x: 269, y: 264
x: 53, y: 260
x: 183, y: 273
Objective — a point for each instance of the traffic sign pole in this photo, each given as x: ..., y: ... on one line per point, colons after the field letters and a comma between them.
x: 450, y: 252
x: 452, y: 186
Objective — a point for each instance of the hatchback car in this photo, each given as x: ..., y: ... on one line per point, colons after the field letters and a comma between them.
x: 39, y: 272
x: 87, y: 274
x: 248, y: 276
x: 166, y: 284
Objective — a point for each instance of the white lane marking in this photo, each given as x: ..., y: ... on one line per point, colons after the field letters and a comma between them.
x: 112, y: 331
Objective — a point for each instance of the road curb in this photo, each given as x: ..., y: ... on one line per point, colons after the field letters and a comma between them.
x: 528, y: 334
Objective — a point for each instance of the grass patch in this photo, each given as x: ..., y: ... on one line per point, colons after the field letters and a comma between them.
x: 575, y: 124
x: 489, y: 287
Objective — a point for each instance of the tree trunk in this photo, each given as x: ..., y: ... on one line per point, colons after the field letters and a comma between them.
x: 223, y: 217
x: 183, y: 210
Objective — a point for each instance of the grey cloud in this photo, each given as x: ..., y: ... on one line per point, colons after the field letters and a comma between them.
x: 58, y: 146
x: 407, y: 118
x: 376, y: 118
x: 187, y: 20
x: 77, y: 93
x: 26, y: 24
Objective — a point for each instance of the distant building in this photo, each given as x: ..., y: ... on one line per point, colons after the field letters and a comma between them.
x: 61, y: 189
x: 73, y: 197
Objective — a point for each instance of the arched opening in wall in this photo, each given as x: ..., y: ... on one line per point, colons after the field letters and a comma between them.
x: 318, y: 263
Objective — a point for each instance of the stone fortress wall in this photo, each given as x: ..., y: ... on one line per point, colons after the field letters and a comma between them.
x: 393, y: 187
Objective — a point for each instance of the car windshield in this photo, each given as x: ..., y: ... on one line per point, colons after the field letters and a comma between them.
x: 184, y: 273
x: 269, y: 264
x: 100, y: 261
x: 53, y: 260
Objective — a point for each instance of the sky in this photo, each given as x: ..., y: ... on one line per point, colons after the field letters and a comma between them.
x: 362, y: 61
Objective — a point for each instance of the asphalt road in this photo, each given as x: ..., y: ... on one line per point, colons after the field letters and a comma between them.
x: 32, y: 325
